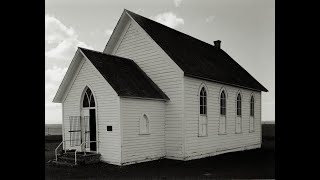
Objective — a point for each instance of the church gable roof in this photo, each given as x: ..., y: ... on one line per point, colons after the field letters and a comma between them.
x: 124, y: 75
x: 196, y: 58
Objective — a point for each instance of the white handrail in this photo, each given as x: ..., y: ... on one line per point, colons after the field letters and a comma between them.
x: 55, y: 151
x: 75, y: 152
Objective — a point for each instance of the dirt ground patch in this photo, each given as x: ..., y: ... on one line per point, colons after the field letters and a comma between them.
x: 257, y: 163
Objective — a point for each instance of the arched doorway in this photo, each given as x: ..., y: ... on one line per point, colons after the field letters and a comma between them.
x: 88, y: 119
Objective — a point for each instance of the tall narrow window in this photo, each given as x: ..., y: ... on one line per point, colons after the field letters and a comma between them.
x: 203, y: 101
x: 223, y: 105
x: 252, y: 106
x: 88, y: 99
x: 144, y: 124
x: 203, y: 113
x: 251, y: 121
x: 239, y: 105
x: 239, y: 113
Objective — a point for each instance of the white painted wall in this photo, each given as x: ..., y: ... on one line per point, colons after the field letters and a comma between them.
x: 108, y: 110
x: 181, y: 112
x: 138, y: 46
x: 196, y: 147
x: 138, y: 147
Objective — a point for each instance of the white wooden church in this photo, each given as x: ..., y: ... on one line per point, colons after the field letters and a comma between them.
x: 155, y: 92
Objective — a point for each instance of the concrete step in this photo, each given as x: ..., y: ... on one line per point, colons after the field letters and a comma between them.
x: 89, y: 158
x: 79, y: 154
x: 70, y: 154
x: 62, y: 163
x: 70, y: 160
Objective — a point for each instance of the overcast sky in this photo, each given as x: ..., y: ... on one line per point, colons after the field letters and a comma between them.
x: 245, y: 27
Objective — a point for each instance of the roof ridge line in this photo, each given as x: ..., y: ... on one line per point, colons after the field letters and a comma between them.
x: 90, y: 50
x: 128, y: 66
x: 174, y: 29
x: 245, y: 78
x: 124, y: 58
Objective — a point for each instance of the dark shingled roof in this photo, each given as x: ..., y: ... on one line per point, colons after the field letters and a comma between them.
x: 124, y: 75
x: 197, y: 58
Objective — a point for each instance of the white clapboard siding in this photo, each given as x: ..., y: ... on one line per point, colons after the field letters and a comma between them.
x: 138, y: 46
x: 144, y: 147
x: 108, y: 110
x: 204, y: 146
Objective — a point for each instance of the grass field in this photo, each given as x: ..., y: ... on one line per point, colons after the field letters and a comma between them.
x: 53, y: 129
x: 51, y: 142
x: 257, y: 163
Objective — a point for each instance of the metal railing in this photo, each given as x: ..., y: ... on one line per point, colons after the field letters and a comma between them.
x: 76, y: 150
x: 55, y: 151
x: 75, y: 153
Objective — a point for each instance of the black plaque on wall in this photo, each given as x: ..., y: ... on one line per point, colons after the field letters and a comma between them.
x: 109, y: 128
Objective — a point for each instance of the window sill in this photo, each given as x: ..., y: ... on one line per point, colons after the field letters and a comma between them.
x: 222, y: 134
x: 202, y: 135
x: 238, y: 132
x: 144, y: 134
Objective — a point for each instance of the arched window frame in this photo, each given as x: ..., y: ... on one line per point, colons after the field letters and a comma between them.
x: 226, y: 97
x: 204, y: 104
x: 238, y: 112
x: 84, y: 93
x: 86, y: 86
x: 239, y: 102
x: 252, y: 105
x: 252, y: 113
x: 144, y: 127
x: 223, y: 113
x: 203, y: 110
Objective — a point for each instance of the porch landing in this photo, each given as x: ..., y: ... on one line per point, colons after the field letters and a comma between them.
x: 68, y: 158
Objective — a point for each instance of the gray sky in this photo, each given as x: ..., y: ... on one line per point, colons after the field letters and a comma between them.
x: 245, y: 27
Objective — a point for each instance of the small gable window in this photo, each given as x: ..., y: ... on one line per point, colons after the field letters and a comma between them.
x: 144, y: 124
x: 88, y: 99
